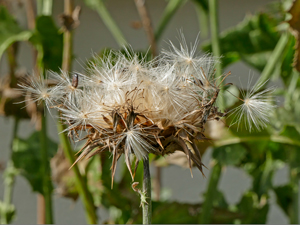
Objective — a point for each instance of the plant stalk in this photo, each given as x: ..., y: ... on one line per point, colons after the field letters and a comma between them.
x: 203, y: 20
x: 157, y: 184
x: 47, y: 184
x: 294, y: 213
x: 274, y: 58
x: 68, y: 38
x: 214, y: 29
x: 168, y: 13
x: 30, y: 13
x: 145, y: 17
x: 147, y: 206
x: 100, y: 7
x: 9, y: 180
x: 80, y: 182
x: 206, y: 211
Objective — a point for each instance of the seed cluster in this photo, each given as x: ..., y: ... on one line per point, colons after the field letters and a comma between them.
x: 127, y: 105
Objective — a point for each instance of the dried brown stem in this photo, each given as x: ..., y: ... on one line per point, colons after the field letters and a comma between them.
x: 41, y: 213
x: 146, y: 21
x: 157, y: 184
x: 30, y: 12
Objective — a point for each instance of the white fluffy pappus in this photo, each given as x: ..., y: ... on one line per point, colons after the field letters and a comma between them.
x: 256, y: 109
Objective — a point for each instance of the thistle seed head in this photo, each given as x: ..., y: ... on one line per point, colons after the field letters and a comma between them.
x: 126, y: 105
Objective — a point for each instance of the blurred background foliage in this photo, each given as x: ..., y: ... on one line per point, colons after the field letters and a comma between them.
x: 268, y: 41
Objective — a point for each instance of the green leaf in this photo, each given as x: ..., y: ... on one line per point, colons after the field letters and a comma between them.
x: 287, y: 62
x: 49, y: 43
x: 252, y: 210
x: 185, y: 213
x: 175, y: 213
x: 284, y: 196
x: 93, y: 174
x: 230, y: 154
x: 229, y: 96
x: 10, y: 31
x: 251, y: 40
x: 28, y: 159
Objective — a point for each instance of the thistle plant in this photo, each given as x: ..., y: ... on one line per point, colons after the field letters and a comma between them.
x: 127, y: 105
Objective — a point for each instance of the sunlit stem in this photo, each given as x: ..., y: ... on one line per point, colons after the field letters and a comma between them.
x: 47, y: 184
x: 100, y: 7
x: 167, y: 15
x: 274, y: 58
x: 44, y: 7
x: 203, y: 20
x: 294, y: 179
x: 214, y: 29
x: 210, y: 194
x: 9, y: 181
x: 81, y: 184
x: 147, y: 202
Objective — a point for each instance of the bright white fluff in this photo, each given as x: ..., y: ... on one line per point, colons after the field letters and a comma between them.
x: 128, y: 105
x: 38, y: 90
x: 256, y: 108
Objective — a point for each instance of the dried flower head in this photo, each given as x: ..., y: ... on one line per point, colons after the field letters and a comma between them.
x: 126, y: 105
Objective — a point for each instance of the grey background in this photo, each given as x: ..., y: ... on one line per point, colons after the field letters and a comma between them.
x: 92, y: 36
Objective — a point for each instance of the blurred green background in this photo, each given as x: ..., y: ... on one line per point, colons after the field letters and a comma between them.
x: 251, y: 178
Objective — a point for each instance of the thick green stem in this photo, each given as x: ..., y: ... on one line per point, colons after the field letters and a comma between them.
x: 44, y: 7
x: 147, y: 205
x: 214, y: 29
x: 294, y: 213
x: 210, y: 194
x: 100, y: 7
x: 203, y: 20
x: 47, y: 184
x: 80, y: 182
x: 168, y: 13
x: 274, y: 58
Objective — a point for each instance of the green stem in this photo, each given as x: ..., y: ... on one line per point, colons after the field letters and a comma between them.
x: 274, y: 58
x: 294, y: 213
x: 214, y: 29
x: 273, y: 138
x: 80, y: 182
x: 293, y: 83
x: 47, y: 184
x: 147, y: 206
x: 210, y: 194
x: 168, y: 13
x: 44, y: 7
x: 9, y: 181
x: 100, y: 7
x: 203, y: 20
